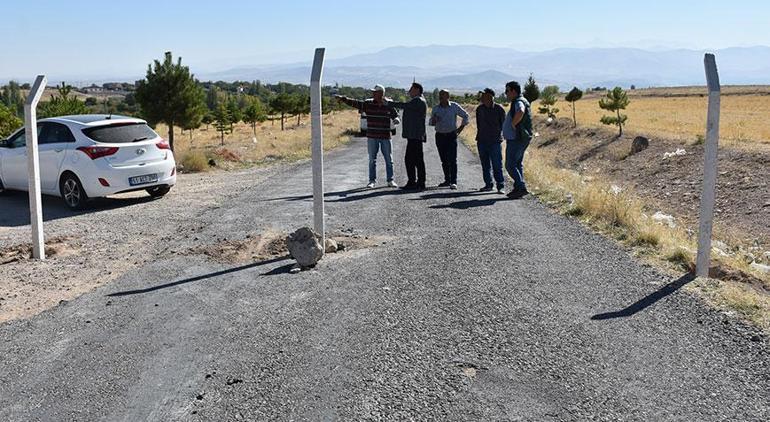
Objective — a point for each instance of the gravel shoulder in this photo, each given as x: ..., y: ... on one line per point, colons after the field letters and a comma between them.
x: 461, y: 306
x: 112, y: 237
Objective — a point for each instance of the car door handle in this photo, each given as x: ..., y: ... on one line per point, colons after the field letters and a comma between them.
x: 59, y: 150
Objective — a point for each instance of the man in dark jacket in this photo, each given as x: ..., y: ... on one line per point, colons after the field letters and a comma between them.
x: 413, y: 130
x: 489, y: 124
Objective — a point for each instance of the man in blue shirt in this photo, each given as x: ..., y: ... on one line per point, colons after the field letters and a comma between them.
x: 517, y: 131
x: 444, y: 119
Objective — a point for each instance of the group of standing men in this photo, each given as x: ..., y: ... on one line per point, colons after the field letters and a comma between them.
x: 493, y: 123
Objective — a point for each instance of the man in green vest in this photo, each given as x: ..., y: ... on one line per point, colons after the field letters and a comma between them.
x: 517, y: 131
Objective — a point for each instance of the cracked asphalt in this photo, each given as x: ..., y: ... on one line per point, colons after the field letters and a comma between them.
x: 469, y: 307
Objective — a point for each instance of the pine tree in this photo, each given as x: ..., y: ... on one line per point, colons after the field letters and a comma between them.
x: 572, y: 97
x: 282, y: 103
x: 170, y: 94
x: 548, y: 100
x: 222, y: 121
x: 531, y: 90
x: 254, y: 113
x: 234, y: 112
x: 616, y: 100
x: 8, y: 121
x: 12, y: 98
x: 62, y: 104
x: 301, y: 106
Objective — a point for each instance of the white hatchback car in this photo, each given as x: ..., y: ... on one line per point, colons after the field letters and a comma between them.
x: 89, y: 156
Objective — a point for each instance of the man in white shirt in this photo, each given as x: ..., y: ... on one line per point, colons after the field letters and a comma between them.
x: 444, y: 119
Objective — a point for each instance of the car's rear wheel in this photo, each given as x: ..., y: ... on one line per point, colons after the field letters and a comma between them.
x: 72, y: 192
x: 158, y: 191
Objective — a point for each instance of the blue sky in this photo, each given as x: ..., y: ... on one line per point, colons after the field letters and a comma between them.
x: 87, y: 39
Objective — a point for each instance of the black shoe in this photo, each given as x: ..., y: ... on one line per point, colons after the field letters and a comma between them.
x: 443, y: 185
x: 410, y: 186
x: 517, y: 193
x: 420, y: 186
x: 487, y: 188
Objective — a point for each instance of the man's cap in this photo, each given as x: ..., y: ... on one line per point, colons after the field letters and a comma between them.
x: 488, y: 91
x: 378, y: 87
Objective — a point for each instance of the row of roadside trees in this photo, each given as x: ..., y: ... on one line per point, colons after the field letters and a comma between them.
x: 614, y: 101
x: 170, y: 94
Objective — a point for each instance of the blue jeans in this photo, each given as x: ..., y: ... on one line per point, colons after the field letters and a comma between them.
x: 491, y: 156
x: 375, y: 145
x: 514, y: 162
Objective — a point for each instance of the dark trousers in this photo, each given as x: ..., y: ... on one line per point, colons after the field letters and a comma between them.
x: 415, y: 163
x: 446, y: 143
x: 491, y: 156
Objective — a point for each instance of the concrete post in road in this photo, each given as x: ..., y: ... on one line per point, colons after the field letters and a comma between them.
x: 33, y: 167
x: 709, y: 169
x: 316, y: 125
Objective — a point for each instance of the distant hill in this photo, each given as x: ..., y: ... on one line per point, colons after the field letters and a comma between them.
x: 472, y: 67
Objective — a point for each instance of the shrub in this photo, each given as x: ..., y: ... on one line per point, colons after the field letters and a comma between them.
x: 194, y: 162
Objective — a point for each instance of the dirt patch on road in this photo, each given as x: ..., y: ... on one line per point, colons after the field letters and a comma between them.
x: 272, y: 244
x: 58, y: 246
x: 253, y: 247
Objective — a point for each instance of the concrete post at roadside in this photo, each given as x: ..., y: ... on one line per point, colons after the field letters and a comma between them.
x: 316, y: 125
x: 709, y: 169
x: 33, y: 167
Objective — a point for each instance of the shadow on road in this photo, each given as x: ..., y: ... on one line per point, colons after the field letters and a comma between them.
x: 198, y: 278
x: 473, y: 203
x: 15, y: 207
x: 342, y: 193
x: 339, y: 194
x: 649, y: 300
x: 372, y: 193
x: 283, y: 269
x: 452, y: 194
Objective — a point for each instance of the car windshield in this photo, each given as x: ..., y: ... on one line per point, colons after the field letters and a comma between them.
x: 122, y: 133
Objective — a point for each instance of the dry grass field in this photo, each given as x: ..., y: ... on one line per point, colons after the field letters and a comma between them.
x: 242, y: 148
x: 680, y: 113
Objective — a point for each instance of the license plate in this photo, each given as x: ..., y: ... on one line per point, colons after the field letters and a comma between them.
x: 142, y: 180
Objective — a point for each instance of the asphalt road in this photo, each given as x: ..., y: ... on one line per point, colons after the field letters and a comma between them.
x: 470, y: 307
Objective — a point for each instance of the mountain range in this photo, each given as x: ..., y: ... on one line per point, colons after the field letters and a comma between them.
x: 470, y: 67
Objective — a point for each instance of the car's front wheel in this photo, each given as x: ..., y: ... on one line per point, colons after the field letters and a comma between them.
x: 72, y: 192
x: 158, y: 191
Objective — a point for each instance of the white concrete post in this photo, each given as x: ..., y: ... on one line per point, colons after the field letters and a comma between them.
x: 33, y: 167
x: 709, y: 169
x: 316, y: 125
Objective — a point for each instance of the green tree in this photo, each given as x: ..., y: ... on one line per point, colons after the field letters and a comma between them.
x: 212, y: 97
x: 12, y: 98
x: 222, y: 121
x: 283, y: 104
x: 234, y: 111
x: 207, y: 119
x: 301, y: 106
x: 548, y: 99
x: 572, y: 97
x: 62, y: 104
x: 616, y: 100
x: 254, y: 113
x: 531, y: 90
x: 8, y: 121
x: 170, y: 94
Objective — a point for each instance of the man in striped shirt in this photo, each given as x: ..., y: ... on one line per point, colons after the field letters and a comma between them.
x: 378, y: 117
